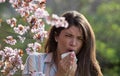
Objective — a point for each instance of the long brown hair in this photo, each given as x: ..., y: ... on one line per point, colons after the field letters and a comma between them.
x: 87, y: 64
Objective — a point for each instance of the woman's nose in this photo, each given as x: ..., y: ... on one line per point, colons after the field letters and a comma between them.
x: 73, y: 42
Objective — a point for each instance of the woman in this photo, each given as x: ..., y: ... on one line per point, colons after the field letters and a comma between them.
x: 78, y: 39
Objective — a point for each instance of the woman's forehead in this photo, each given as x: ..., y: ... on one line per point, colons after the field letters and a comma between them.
x: 73, y: 29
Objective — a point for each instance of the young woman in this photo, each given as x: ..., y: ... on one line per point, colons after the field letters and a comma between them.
x: 78, y: 39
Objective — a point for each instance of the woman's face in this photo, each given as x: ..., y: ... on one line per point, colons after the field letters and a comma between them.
x: 70, y: 39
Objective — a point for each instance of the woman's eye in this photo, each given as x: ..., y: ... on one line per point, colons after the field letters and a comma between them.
x: 81, y: 39
x: 68, y: 35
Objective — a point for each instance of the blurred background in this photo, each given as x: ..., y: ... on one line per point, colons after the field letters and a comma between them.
x: 104, y: 17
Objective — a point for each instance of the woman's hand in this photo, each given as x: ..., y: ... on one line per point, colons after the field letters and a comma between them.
x: 67, y: 66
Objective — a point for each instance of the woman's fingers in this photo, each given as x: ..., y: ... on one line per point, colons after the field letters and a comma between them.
x: 67, y: 65
x: 67, y: 62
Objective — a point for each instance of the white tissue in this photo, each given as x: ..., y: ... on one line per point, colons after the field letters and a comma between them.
x: 66, y: 54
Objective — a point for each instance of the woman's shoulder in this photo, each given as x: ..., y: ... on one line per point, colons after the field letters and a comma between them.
x: 46, y: 57
x: 36, y: 55
x: 34, y: 62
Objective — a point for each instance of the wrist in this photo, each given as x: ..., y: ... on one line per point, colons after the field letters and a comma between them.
x: 59, y: 74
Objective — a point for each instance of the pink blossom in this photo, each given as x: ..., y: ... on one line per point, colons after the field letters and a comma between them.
x: 23, y: 11
x: 1, y: 1
x: 58, y: 21
x: 10, y: 40
x: 12, y: 22
x: 21, y: 29
x: 33, y: 47
x: 40, y: 35
x: 41, y: 13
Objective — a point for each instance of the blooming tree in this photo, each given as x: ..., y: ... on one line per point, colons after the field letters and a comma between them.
x: 36, y: 16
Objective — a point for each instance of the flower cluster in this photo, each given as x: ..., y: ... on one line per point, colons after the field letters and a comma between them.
x: 33, y: 47
x: 2, y: 1
x: 36, y: 17
x: 10, y: 40
x: 11, y: 60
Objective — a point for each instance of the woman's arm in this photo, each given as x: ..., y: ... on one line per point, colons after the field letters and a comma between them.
x: 33, y: 65
x: 29, y: 66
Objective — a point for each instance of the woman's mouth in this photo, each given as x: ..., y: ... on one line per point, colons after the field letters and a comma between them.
x: 70, y: 50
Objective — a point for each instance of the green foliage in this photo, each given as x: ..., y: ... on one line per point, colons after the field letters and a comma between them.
x: 109, y: 12
x: 108, y: 53
x: 112, y: 72
x: 106, y: 25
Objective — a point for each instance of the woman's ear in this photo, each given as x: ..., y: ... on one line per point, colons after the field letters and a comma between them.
x: 56, y: 38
